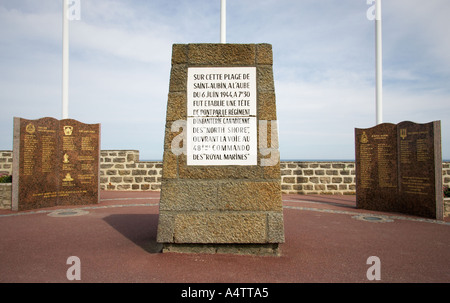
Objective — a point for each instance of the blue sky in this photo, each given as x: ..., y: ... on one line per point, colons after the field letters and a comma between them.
x: 324, y: 66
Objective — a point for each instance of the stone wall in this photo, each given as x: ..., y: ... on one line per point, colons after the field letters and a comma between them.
x: 446, y: 207
x: 5, y: 195
x: 318, y: 178
x: 446, y: 174
x: 6, y: 160
x: 122, y: 170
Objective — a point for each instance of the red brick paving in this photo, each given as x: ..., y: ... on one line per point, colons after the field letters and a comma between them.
x: 115, y: 242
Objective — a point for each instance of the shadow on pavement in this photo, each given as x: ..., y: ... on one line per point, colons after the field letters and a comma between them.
x: 139, y: 228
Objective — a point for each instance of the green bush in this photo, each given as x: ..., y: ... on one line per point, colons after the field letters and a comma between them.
x: 446, y: 191
x: 5, y: 179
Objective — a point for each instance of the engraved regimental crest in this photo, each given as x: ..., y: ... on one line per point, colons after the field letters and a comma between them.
x: 68, y: 178
x: 364, y: 138
x: 403, y: 133
x: 68, y: 130
x: 30, y: 128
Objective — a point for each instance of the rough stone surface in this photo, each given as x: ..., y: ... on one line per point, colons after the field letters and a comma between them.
x: 239, y: 249
x: 447, y: 207
x: 267, y: 106
x: 122, y: 170
x: 231, y: 204
x: 176, y: 106
x: 205, y: 195
x: 251, y: 196
x: 222, y: 55
x: 220, y: 227
x: 5, y: 195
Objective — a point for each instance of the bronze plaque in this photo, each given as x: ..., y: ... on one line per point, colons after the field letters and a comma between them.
x: 56, y: 162
x: 399, y: 168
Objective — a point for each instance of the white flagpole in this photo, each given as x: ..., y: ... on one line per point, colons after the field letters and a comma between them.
x: 379, y: 64
x: 65, y: 71
x: 223, y: 21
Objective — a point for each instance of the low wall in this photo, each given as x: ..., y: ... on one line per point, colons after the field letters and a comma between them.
x: 5, y: 195
x: 122, y: 170
x: 6, y: 161
x: 318, y: 178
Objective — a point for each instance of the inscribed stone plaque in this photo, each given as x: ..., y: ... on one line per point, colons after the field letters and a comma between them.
x: 56, y: 162
x: 221, y: 123
x: 399, y: 168
x: 221, y: 182
x: 420, y: 169
x: 376, y: 167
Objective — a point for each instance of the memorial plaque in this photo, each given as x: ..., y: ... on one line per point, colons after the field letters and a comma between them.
x: 376, y: 167
x: 221, y: 182
x: 56, y: 162
x: 399, y: 168
x: 420, y: 169
x: 221, y: 123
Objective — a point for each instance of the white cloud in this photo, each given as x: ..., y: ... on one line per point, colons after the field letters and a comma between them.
x: 323, y: 65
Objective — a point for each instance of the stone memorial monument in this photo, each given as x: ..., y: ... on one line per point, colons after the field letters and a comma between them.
x: 55, y: 162
x: 221, y: 183
x: 399, y: 168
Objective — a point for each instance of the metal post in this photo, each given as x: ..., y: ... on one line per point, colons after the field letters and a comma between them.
x: 379, y: 64
x: 223, y: 21
x: 65, y: 55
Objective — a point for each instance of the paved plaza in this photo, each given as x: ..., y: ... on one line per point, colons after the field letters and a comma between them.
x: 327, y: 240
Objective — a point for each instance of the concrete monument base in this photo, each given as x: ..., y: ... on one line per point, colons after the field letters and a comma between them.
x: 237, y: 249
